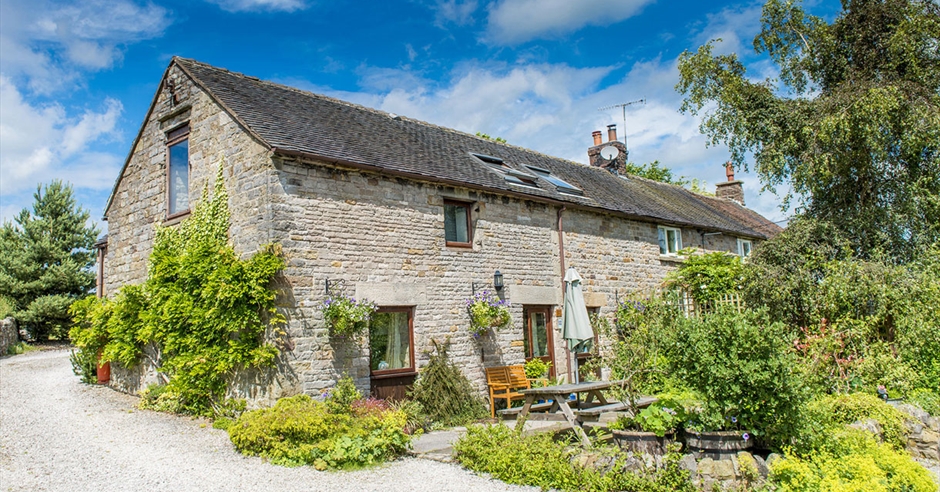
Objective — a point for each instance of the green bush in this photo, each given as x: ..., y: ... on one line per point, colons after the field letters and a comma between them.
x: 6, y: 307
x: 85, y: 365
x: 783, y: 274
x: 742, y: 365
x: 829, y: 414
x: 538, y: 460
x: 343, y: 395
x: 207, y: 311
x: 851, y: 460
x: 445, y: 393
x: 926, y: 399
x: 709, y: 276
x: 302, y: 431
x: 645, y: 331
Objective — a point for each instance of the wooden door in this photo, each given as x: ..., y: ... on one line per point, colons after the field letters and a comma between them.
x: 537, y: 335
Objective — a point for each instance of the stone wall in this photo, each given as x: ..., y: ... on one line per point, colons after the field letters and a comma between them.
x: 139, y: 202
x: 9, y: 336
x: 383, y: 237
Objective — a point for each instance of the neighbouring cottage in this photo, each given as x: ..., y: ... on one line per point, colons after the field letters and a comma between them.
x: 410, y: 215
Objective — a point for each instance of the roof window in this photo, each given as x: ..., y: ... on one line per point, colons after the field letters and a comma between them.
x: 561, y: 185
x: 513, y: 176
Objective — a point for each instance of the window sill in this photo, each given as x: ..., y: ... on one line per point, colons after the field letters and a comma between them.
x: 393, y: 373
x: 672, y: 258
x: 176, y: 218
x: 453, y: 244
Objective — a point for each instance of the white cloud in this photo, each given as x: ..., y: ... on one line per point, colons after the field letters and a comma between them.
x: 260, y: 5
x: 45, y: 43
x: 455, y: 12
x: 512, y: 22
x: 40, y: 143
x: 735, y: 26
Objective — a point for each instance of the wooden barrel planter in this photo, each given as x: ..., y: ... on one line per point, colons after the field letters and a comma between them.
x: 717, y: 445
x: 642, y: 442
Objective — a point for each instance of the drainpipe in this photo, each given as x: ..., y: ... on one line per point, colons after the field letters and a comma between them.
x: 561, y: 260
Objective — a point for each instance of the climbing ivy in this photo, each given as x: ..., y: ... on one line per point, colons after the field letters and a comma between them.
x: 206, y: 311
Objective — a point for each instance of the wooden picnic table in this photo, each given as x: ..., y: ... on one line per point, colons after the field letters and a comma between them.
x: 559, y: 396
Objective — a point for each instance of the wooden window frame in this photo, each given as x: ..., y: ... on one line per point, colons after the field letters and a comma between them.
x: 176, y: 136
x: 527, y: 311
x: 469, y: 207
x: 405, y: 371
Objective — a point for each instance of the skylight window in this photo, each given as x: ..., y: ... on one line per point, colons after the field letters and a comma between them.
x: 561, y: 185
x: 513, y: 176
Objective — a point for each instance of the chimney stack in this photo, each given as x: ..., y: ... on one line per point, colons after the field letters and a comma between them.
x: 616, y: 165
x: 732, y: 189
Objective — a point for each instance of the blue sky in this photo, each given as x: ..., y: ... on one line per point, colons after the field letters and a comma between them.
x: 76, y: 77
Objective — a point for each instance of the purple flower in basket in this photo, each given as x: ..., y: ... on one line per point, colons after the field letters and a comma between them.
x: 746, y: 436
x: 734, y: 420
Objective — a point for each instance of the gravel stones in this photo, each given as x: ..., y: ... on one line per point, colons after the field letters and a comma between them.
x: 59, y: 434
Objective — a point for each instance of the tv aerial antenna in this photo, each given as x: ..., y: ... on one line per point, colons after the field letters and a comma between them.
x: 623, y: 109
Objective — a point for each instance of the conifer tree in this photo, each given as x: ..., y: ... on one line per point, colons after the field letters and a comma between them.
x: 45, y: 260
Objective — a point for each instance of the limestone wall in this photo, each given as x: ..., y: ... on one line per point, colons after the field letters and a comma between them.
x: 9, y: 336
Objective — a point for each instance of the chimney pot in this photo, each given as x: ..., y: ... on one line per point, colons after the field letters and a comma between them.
x: 597, y: 137
x: 611, y: 133
x: 729, y: 171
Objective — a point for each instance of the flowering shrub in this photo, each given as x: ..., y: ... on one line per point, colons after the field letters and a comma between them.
x: 487, y: 311
x: 346, y: 316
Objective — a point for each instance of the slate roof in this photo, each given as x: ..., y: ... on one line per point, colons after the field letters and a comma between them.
x: 295, y: 122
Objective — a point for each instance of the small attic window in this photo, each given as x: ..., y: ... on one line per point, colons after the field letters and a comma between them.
x: 561, y: 185
x: 513, y: 176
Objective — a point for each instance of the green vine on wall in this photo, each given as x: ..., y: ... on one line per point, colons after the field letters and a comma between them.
x: 207, y: 312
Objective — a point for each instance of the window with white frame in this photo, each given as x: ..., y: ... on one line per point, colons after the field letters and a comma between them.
x: 744, y: 248
x: 670, y: 240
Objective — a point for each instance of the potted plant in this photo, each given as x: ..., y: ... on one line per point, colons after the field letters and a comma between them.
x: 652, y: 429
x: 711, y: 435
x: 487, y: 311
x: 536, y: 370
x: 345, y: 316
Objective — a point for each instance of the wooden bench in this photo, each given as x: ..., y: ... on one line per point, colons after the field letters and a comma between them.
x: 504, y: 383
x: 514, y: 411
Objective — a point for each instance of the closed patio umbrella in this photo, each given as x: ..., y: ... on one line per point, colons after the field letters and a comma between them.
x: 575, y: 321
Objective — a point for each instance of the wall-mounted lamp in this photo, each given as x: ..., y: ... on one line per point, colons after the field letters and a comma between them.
x: 498, y: 281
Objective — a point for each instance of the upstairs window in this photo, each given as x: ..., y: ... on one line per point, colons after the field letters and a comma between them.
x: 457, y: 223
x: 561, y: 185
x: 178, y: 171
x: 670, y: 240
x: 744, y: 248
x: 513, y: 176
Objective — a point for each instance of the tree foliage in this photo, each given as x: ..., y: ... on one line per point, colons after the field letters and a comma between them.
x: 207, y: 312
x: 852, y: 123
x: 45, y: 260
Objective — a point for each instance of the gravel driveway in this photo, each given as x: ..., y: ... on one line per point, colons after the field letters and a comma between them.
x: 59, y: 434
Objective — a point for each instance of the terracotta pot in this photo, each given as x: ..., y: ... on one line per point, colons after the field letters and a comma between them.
x: 642, y: 442
x: 716, y: 445
x: 104, y: 371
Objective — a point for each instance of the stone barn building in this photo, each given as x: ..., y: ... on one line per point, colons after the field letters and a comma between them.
x: 412, y: 216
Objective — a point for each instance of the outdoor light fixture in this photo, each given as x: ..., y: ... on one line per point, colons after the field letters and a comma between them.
x: 498, y: 281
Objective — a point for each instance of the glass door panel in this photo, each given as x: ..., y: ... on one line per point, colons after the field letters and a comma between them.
x: 537, y: 335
